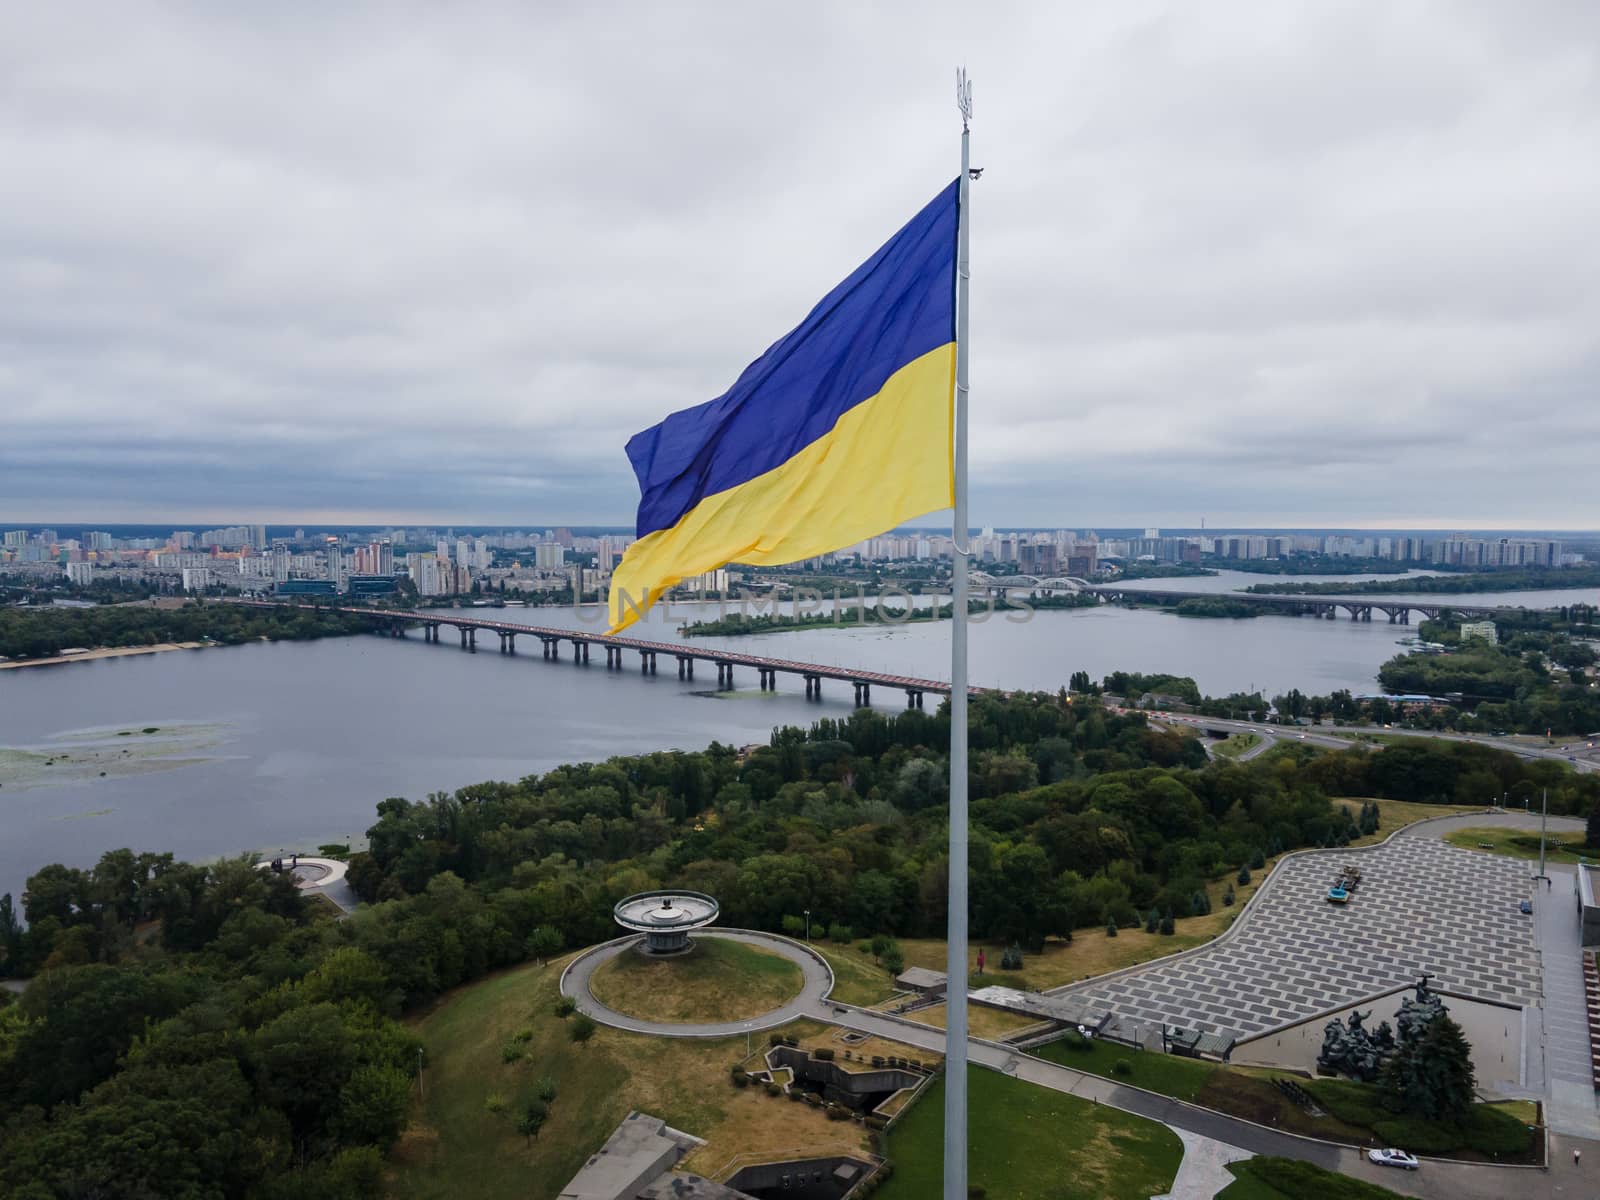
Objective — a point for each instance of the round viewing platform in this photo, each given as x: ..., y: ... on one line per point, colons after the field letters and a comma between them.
x: 665, y: 918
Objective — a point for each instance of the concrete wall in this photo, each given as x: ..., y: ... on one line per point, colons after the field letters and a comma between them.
x: 1587, y: 907
x: 1493, y: 1030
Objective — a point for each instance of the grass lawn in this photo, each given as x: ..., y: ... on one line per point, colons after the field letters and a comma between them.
x: 1237, y: 744
x: 717, y: 980
x: 1397, y: 814
x: 1168, y: 1074
x: 1354, y: 1113
x: 1030, y: 1143
x: 1517, y: 843
x: 856, y: 978
x: 1290, y: 1179
x: 456, y: 1147
x: 991, y: 1023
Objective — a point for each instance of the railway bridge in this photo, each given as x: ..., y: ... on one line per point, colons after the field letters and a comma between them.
x: 1360, y: 608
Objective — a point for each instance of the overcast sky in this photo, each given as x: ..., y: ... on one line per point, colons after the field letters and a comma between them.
x: 1262, y: 263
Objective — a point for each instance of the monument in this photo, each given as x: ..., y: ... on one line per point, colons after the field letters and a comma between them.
x: 665, y: 918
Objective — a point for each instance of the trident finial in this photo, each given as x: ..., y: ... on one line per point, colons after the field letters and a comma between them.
x: 963, y: 96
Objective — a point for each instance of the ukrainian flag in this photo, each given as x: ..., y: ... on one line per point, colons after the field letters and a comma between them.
x: 841, y: 430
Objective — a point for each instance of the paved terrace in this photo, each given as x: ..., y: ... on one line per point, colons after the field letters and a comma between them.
x: 1422, y: 906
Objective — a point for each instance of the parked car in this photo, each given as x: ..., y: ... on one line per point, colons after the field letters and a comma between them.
x: 1393, y: 1158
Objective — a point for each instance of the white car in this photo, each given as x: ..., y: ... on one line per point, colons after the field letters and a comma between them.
x: 1393, y: 1158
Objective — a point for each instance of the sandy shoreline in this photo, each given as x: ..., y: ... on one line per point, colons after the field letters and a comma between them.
x: 106, y: 652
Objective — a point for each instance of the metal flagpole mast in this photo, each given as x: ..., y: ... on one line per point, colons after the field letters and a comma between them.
x: 955, y: 1050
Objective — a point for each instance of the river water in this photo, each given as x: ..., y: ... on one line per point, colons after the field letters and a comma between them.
x: 271, y: 747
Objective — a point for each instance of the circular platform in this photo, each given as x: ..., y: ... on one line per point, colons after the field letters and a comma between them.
x: 665, y: 918
x: 818, y: 983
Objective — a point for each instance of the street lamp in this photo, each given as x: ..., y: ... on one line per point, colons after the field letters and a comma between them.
x: 808, y: 926
x: 1544, y: 814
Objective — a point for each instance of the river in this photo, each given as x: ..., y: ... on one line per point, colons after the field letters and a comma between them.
x: 285, y: 746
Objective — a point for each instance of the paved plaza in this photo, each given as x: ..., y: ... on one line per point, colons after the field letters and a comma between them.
x: 1422, y: 906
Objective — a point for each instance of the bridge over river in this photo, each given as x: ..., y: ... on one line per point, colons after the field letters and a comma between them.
x: 398, y: 622
x: 1360, y: 608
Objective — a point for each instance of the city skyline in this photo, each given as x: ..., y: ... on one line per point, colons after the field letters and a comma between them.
x: 425, y: 282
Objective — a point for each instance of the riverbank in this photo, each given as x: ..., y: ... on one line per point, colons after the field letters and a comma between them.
x: 102, y: 652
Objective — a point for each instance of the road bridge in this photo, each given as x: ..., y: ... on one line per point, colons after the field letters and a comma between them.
x: 398, y: 622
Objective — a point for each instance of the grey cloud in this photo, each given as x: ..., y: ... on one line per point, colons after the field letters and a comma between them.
x: 1327, y: 262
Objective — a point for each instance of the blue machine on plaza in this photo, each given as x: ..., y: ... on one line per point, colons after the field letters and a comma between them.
x: 1344, y: 887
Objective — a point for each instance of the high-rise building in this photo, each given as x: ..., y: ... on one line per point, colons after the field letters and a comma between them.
x: 549, y: 556
x: 280, y: 564
x: 196, y: 579
x: 80, y: 573
x: 431, y: 575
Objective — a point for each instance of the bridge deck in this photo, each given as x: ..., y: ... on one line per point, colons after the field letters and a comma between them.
x: 674, y: 649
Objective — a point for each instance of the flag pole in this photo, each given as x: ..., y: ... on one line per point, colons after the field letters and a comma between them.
x: 955, y: 1052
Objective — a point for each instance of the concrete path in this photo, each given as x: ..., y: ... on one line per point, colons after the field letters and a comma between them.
x: 322, y: 877
x: 1204, y: 1170
x: 817, y: 983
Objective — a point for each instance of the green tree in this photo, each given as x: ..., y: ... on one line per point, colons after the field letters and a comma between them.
x: 582, y: 1028
x: 372, y: 1107
x: 532, y: 1119
x: 1431, y: 1076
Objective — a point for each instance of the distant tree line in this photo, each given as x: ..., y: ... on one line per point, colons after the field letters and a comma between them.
x: 29, y: 632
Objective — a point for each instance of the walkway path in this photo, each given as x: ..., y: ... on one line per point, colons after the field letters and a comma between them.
x: 818, y: 982
x: 1204, y: 1169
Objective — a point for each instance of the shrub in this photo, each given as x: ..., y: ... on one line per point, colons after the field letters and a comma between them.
x: 1111, y: 927
x: 794, y: 926
x: 582, y: 1029
x: 1076, y: 1041
x: 775, y: 1039
x: 1153, y: 921
x: 510, y: 1052
x: 792, y: 1042
x: 838, y: 1113
x: 894, y: 959
x: 1243, y: 877
x: 741, y: 1080
x: 877, y: 1060
x: 822, y: 1055
x: 1167, y: 926
x: 773, y: 1089
x: 566, y: 1006
x: 812, y: 1099
x: 494, y: 1102
x: 1228, y: 897
x: 547, y: 1089
x: 797, y: 1095
x: 1257, y: 859
x: 1122, y: 1067
x: 875, y: 1121
x: 840, y: 933
x: 522, y: 1035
